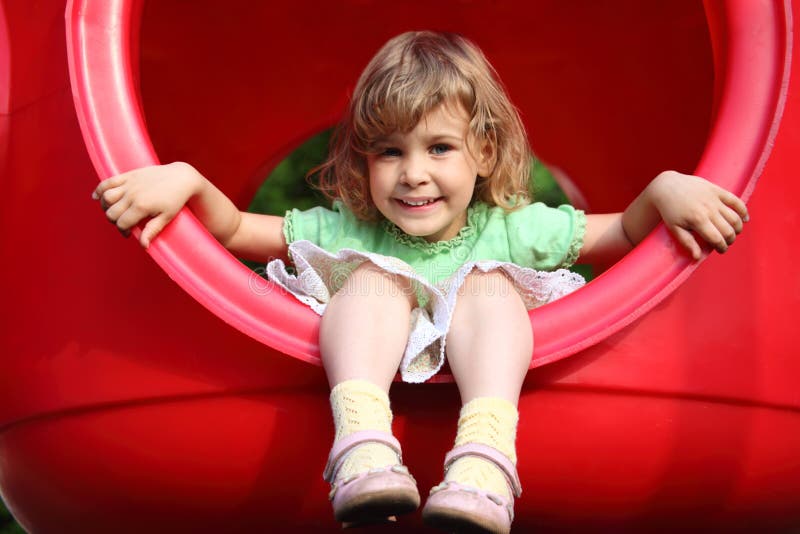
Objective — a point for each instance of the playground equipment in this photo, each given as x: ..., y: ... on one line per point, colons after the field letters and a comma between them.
x: 670, y: 398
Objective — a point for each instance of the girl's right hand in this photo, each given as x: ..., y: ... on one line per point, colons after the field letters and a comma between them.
x: 157, y: 192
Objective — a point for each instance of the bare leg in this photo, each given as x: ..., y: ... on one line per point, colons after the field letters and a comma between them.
x: 365, y: 327
x: 363, y: 335
x: 490, y: 342
x: 489, y: 348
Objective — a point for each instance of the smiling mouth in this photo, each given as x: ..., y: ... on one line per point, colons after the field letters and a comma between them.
x: 417, y: 203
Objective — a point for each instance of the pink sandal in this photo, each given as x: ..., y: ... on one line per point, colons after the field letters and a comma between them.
x: 376, y: 495
x: 457, y: 508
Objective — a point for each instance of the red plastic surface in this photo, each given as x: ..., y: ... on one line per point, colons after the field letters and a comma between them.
x: 122, y: 399
x: 736, y: 147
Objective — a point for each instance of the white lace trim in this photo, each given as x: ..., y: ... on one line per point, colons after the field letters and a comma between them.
x: 320, y: 274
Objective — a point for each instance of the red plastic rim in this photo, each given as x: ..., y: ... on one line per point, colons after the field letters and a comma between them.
x: 751, y: 55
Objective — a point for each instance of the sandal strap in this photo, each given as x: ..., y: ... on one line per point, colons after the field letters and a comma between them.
x: 348, y: 443
x: 487, y: 453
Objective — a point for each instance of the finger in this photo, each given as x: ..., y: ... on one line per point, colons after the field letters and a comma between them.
x: 153, y: 228
x: 108, y: 183
x: 114, y: 212
x: 733, y: 218
x: 685, y: 238
x: 726, y: 230
x: 735, y: 203
x: 712, y: 235
x: 131, y: 217
x: 111, y: 196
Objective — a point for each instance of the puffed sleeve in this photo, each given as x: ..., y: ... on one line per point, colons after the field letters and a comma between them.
x: 545, y: 238
x: 319, y: 225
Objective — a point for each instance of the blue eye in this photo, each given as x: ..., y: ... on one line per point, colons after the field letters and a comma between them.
x: 390, y: 152
x: 440, y: 149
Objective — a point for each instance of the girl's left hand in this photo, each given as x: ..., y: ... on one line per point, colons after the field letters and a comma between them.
x: 689, y: 204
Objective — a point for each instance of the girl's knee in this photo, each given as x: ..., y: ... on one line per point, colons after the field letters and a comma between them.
x: 487, y: 284
x: 370, y: 280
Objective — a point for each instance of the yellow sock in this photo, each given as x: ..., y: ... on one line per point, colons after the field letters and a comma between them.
x: 491, y: 421
x: 361, y: 405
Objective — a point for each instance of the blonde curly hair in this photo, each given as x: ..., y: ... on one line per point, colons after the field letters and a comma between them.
x: 411, y: 75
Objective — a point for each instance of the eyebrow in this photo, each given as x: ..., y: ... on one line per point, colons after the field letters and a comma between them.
x: 428, y: 139
x: 445, y: 136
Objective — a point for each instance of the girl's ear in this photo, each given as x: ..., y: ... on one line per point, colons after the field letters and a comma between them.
x: 487, y: 156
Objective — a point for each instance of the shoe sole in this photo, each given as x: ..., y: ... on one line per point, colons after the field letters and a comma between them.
x: 378, y: 506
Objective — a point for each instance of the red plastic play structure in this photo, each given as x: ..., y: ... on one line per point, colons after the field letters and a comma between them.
x: 133, y: 401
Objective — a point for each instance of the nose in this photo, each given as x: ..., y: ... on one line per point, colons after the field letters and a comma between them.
x: 414, y: 171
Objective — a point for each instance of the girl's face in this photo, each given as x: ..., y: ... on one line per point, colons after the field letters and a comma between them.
x: 423, y: 180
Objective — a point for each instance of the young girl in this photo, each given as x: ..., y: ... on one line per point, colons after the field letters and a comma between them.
x: 432, y: 251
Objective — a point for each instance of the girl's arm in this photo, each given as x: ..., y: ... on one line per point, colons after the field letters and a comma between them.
x: 159, y: 193
x: 685, y: 203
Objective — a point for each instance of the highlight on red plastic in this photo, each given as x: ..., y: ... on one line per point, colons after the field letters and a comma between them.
x: 751, y: 69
